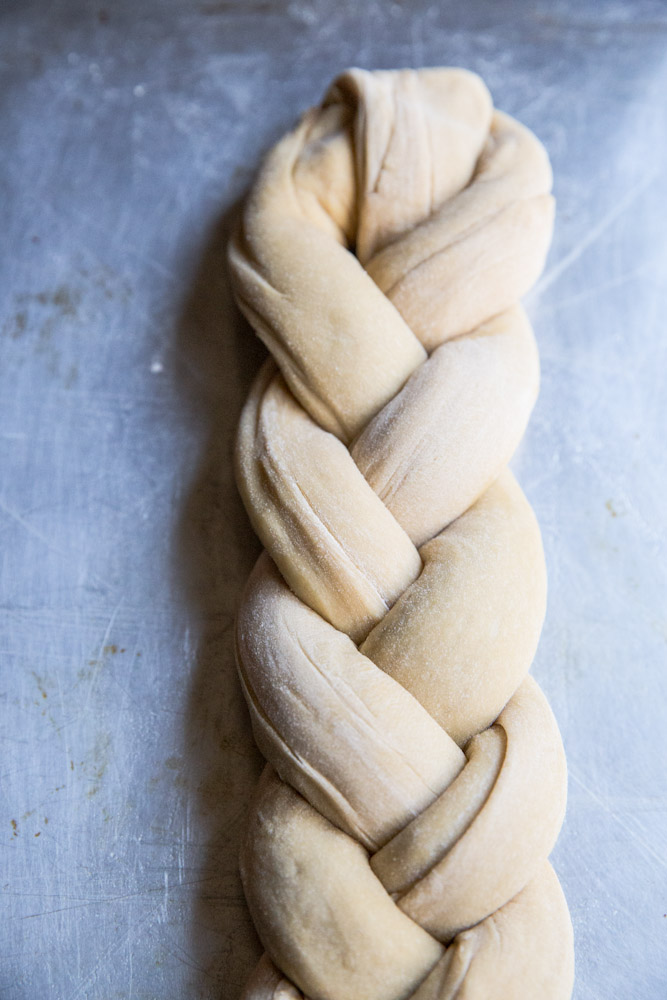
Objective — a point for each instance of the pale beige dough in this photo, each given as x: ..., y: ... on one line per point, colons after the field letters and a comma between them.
x: 397, y: 843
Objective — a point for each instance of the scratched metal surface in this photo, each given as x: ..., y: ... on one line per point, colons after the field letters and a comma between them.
x: 129, y: 133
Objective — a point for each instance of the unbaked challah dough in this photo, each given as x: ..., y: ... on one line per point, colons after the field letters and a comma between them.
x: 397, y: 844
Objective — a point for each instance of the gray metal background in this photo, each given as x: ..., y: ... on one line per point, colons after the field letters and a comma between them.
x: 129, y: 132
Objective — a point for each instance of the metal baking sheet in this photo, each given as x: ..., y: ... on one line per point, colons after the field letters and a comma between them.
x: 129, y: 133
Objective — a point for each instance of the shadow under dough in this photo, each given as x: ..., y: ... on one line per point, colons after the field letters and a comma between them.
x: 214, y: 551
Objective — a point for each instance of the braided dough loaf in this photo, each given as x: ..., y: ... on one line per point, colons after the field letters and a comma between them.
x: 397, y: 844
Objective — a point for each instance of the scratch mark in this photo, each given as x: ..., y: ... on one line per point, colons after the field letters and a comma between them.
x: 30, y: 530
x: 129, y: 957
x: 184, y: 956
x: 621, y: 822
x: 595, y: 290
x: 100, y: 653
x: 92, y: 226
x: 594, y: 234
x: 132, y: 932
x: 164, y: 912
